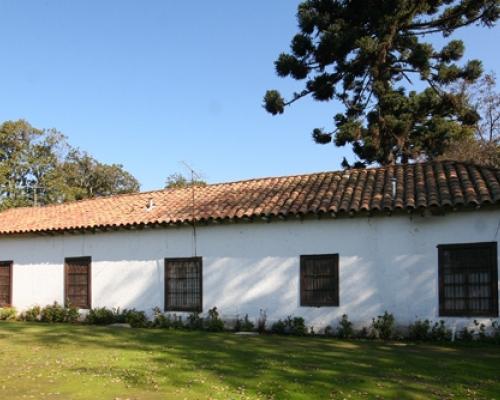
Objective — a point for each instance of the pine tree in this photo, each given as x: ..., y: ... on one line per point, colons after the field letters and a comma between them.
x: 366, y: 54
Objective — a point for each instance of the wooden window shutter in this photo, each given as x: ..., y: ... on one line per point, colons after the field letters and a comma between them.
x: 468, y: 280
x: 77, y: 282
x: 319, y: 280
x: 5, y: 283
x: 183, y: 284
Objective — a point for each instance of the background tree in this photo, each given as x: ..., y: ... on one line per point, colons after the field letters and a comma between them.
x: 84, y: 177
x: 366, y: 53
x: 484, y: 147
x: 177, y: 180
x: 39, y: 167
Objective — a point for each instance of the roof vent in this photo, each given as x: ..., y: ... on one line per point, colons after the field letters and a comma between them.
x: 393, y: 181
x: 150, y: 205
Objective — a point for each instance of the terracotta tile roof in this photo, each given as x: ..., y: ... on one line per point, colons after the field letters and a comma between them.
x: 437, y: 185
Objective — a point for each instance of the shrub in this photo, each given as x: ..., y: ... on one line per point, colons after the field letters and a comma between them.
x: 420, y: 330
x: 466, y: 334
x: 213, y: 321
x: 72, y: 314
x: 244, y: 324
x: 495, y: 331
x: 57, y: 313
x: 383, y: 326
x: 345, y: 330
x: 440, y: 332
x: 262, y: 321
x: 481, y: 330
x: 363, y: 333
x: 177, y: 322
x: 278, y: 327
x: 194, y: 321
x: 238, y: 324
x: 136, y: 319
x: 297, y: 326
x: 292, y: 325
x: 161, y: 320
x: 328, y: 331
x: 31, y: 314
x: 101, y: 316
x: 8, y: 314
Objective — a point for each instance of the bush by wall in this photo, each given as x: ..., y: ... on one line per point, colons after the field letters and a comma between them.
x: 345, y: 329
x: 213, y: 322
x: 290, y: 326
x: 383, y: 326
x: 8, y: 314
x: 101, y: 316
x: 51, y: 313
x: 243, y: 325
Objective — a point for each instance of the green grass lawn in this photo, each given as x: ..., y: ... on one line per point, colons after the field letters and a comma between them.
x: 39, y: 361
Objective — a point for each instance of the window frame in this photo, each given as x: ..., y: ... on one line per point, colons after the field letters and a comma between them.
x: 493, y: 312
x: 166, y: 306
x: 68, y: 261
x: 8, y: 264
x: 336, y: 300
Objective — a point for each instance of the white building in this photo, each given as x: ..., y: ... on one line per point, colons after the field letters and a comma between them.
x: 419, y: 241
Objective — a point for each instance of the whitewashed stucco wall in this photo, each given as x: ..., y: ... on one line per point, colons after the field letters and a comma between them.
x: 386, y: 263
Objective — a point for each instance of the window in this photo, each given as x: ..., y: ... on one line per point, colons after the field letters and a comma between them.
x: 5, y: 283
x: 77, y: 282
x: 468, y: 283
x: 319, y: 280
x: 183, y: 284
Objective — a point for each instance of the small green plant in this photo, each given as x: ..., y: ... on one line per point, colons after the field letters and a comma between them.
x: 8, y: 314
x: 247, y: 325
x: 177, y: 322
x: 363, y: 333
x: 291, y: 326
x: 279, y: 327
x: 72, y: 314
x: 32, y: 314
x: 383, y: 326
x: 297, y: 326
x: 101, y: 316
x: 194, y: 321
x: 495, y: 331
x: 481, y: 330
x: 160, y: 320
x: 440, y: 332
x: 420, y: 330
x: 345, y: 330
x: 237, y: 324
x: 466, y: 334
x: 213, y: 322
x: 136, y: 319
x: 57, y: 313
x: 262, y: 321
x: 244, y: 324
x: 328, y: 331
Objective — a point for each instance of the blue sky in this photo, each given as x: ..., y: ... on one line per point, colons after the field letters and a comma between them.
x: 151, y: 83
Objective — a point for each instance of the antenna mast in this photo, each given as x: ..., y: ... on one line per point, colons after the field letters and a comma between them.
x: 193, y: 202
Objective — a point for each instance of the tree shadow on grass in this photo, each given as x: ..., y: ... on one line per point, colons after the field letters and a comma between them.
x: 279, y: 366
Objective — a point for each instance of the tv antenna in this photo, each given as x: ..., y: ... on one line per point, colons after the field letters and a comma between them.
x: 194, y: 175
